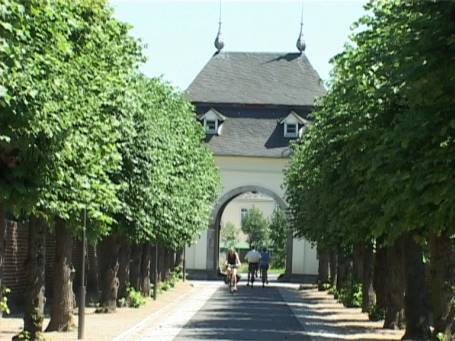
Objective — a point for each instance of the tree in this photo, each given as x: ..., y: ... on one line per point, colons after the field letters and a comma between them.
x: 166, y: 164
x: 256, y: 227
x: 365, y: 169
x: 63, y: 65
x: 230, y: 235
x: 278, y: 235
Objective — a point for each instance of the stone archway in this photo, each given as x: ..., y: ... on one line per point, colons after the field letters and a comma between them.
x: 215, y: 222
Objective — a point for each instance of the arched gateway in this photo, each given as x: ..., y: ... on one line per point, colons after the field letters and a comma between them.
x: 253, y: 105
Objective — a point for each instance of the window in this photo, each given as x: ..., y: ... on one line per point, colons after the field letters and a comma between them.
x: 211, y: 126
x: 243, y: 212
x: 291, y: 130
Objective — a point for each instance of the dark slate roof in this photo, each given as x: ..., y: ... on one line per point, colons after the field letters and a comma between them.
x: 257, y: 78
x: 250, y: 132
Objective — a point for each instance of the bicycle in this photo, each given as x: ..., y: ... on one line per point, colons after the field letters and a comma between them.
x: 264, y: 275
x: 231, y: 279
x: 252, y: 267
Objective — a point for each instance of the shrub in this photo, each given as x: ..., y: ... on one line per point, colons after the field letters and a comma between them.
x: 4, y: 301
x: 375, y: 313
x: 324, y: 286
x: 352, y: 297
x: 135, y: 299
x: 333, y: 291
x: 164, y: 286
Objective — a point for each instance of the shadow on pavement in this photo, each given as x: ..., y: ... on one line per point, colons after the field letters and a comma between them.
x: 250, y: 314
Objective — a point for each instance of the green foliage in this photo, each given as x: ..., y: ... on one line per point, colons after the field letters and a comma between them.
x: 229, y: 235
x: 64, y: 66
x: 350, y: 297
x: 333, y: 291
x: 353, y: 297
x: 255, y: 226
x: 134, y: 298
x: 80, y: 128
x: 166, y: 164
x: 164, y: 286
x: 375, y: 313
x: 324, y: 286
x: 278, y: 234
x: 441, y: 337
x: 4, y: 300
x: 366, y: 167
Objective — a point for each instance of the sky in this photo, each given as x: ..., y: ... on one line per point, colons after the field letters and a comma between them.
x: 179, y: 35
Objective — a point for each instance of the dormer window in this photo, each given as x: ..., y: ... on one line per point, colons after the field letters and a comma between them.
x: 293, y: 125
x: 211, y: 126
x: 291, y: 129
x: 213, y: 122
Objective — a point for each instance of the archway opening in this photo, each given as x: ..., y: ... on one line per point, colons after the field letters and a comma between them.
x: 252, y: 216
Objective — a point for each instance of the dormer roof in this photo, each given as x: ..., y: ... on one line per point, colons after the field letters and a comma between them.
x: 210, y: 113
x: 293, y: 117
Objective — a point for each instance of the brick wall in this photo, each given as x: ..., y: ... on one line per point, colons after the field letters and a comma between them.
x: 15, y: 258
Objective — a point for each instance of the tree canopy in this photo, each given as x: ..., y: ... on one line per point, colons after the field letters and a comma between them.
x: 378, y: 161
x: 255, y: 225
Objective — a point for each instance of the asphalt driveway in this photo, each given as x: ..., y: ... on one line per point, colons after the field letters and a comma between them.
x: 250, y: 314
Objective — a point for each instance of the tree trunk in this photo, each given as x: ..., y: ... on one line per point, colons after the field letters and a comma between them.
x: 2, y: 247
x: 343, y: 271
x: 35, y: 280
x: 368, y: 294
x: 135, y: 266
x: 357, y: 260
x: 323, y: 268
x: 145, y: 270
x: 394, y: 312
x: 162, y: 263
x: 124, y: 268
x: 93, y: 286
x: 109, y: 247
x: 170, y: 260
x: 62, y: 302
x: 380, y: 277
x: 178, y: 259
x: 442, y: 263
x: 333, y: 268
x: 416, y: 311
x: 153, y: 268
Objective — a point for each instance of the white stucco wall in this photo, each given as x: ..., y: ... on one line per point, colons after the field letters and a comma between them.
x: 304, y: 258
x: 262, y: 172
x: 196, y: 254
x: 251, y: 171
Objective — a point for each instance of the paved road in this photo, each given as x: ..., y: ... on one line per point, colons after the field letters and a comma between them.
x: 249, y: 314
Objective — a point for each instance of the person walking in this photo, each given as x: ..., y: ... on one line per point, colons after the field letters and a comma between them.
x: 252, y: 257
x: 264, y: 265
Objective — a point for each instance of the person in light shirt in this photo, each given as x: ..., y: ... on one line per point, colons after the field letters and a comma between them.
x: 252, y: 257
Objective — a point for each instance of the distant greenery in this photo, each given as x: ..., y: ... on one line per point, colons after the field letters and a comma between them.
x: 230, y: 235
x: 255, y: 225
x: 273, y: 270
x: 278, y: 234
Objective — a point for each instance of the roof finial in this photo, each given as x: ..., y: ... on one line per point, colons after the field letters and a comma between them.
x: 219, y: 43
x: 300, y: 42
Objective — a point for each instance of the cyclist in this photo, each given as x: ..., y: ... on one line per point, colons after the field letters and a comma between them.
x: 232, y: 263
x: 264, y: 265
x: 252, y: 257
